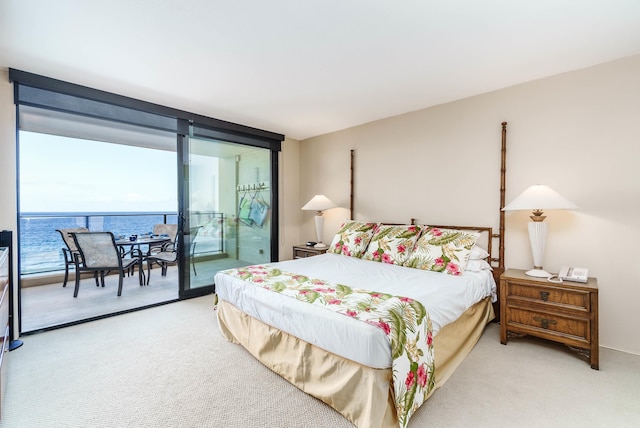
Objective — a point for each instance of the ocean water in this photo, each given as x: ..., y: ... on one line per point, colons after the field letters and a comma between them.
x: 41, y: 246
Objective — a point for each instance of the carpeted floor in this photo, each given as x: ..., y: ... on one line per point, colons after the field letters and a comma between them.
x: 169, y: 367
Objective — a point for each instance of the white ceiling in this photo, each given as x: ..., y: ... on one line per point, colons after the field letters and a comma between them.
x: 305, y: 68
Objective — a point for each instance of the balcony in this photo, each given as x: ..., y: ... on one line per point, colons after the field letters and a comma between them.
x: 46, y: 303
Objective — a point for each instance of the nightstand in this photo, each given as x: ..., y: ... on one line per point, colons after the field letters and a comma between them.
x: 301, y: 251
x: 566, y: 313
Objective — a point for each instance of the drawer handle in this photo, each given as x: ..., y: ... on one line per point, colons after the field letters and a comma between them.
x: 544, y: 295
x: 544, y: 321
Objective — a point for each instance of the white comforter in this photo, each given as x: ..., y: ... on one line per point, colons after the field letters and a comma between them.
x: 444, y: 296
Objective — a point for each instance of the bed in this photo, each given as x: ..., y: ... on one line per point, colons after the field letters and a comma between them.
x: 376, y: 325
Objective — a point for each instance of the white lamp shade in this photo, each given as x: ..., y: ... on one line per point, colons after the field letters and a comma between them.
x: 540, y: 197
x: 319, y: 203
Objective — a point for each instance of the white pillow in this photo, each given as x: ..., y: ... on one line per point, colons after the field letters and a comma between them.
x: 478, y: 265
x: 478, y: 253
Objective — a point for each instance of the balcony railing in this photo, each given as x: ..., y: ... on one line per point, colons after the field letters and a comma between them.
x: 41, y: 246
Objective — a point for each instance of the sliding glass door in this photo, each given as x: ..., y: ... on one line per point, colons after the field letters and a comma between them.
x: 226, y: 209
x: 121, y: 160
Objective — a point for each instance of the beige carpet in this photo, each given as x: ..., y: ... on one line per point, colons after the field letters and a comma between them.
x: 169, y: 367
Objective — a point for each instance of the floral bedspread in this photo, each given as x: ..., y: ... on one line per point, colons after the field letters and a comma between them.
x: 404, y: 321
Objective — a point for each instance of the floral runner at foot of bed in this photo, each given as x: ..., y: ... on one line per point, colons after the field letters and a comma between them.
x: 404, y: 321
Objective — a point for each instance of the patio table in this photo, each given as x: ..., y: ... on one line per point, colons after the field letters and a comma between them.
x: 137, y: 243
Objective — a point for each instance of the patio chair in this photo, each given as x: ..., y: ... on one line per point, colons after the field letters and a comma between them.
x: 170, y: 230
x: 163, y: 258
x: 99, y: 253
x: 69, y: 251
x: 170, y: 255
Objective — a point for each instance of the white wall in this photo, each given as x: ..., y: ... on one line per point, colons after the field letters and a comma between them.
x: 289, y: 192
x: 577, y: 132
x: 8, y: 204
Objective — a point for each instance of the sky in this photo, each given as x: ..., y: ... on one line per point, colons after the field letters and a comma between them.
x: 60, y: 174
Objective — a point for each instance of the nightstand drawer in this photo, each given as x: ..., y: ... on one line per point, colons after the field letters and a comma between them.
x: 553, y: 295
x: 303, y: 251
x: 299, y: 253
x: 574, y: 331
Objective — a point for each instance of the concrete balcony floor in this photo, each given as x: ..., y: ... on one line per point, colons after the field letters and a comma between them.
x: 51, y: 304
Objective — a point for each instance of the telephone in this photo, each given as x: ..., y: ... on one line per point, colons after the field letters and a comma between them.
x: 569, y: 273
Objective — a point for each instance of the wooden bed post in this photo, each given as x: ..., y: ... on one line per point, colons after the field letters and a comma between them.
x: 500, y: 235
x: 501, y: 265
x: 503, y: 181
x: 351, y: 194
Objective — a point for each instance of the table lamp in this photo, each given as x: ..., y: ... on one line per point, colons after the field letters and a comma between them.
x: 538, y: 198
x: 318, y: 204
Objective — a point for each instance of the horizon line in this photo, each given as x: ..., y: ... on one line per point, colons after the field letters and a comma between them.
x: 91, y: 213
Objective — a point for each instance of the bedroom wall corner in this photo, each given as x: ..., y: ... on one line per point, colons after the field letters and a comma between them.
x: 290, y: 213
x: 8, y: 200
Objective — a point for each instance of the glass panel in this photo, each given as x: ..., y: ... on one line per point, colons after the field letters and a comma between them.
x: 227, y: 208
x: 102, y: 176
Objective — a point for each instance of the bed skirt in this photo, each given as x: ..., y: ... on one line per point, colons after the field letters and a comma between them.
x: 362, y: 394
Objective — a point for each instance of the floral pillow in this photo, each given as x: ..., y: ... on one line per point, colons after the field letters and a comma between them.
x: 352, y: 238
x: 392, y: 244
x: 443, y: 250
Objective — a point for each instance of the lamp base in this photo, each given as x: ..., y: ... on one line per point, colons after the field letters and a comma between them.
x: 538, y: 273
x: 320, y: 245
